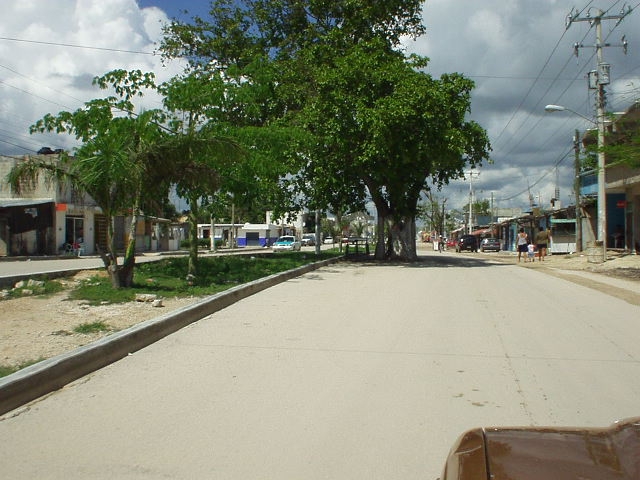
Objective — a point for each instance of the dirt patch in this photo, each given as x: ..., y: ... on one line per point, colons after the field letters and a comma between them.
x: 618, y: 265
x: 33, y: 328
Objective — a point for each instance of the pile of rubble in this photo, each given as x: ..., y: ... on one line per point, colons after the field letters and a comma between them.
x: 24, y: 288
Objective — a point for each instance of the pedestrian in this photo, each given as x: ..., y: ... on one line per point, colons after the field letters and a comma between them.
x: 531, y: 252
x: 542, y: 242
x: 522, y: 242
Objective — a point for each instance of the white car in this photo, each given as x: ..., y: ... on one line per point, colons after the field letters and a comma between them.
x: 286, y: 243
x: 308, y: 240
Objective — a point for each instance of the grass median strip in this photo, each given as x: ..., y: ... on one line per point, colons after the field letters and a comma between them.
x: 167, y: 277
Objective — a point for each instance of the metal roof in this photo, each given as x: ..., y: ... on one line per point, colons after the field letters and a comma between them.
x: 23, y: 202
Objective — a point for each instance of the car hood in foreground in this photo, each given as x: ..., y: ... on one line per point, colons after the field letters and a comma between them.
x: 528, y: 453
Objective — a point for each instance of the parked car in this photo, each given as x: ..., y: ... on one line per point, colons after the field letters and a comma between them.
x: 308, y: 240
x: 353, y: 240
x: 467, y: 242
x: 286, y: 243
x: 550, y: 453
x: 328, y: 240
x: 490, y: 245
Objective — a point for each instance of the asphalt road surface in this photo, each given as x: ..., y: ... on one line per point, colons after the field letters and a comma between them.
x: 350, y: 372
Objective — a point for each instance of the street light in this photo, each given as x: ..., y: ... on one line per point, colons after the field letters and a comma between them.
x: 560, y: 108
x: 602, y: 208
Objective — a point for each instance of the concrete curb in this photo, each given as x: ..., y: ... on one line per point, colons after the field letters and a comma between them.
x: 10, y: 281
x: 44, y: 377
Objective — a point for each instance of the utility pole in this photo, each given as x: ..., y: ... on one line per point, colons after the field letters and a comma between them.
x: 576, y: 190
x: 493, y: 212
x: 318, y: 232
x: 602, y: 77
x: 442, y: 223
x: 470, y: 220
x: 233, y: 219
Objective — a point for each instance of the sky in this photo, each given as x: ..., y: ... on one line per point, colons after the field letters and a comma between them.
x: 519, y: 53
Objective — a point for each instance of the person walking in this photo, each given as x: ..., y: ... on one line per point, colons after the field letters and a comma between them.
x: 522, y: 243
x: 542, y: 242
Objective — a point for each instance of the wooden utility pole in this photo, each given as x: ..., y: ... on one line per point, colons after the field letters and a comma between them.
x: 576, y: 190
x: 597, y: 80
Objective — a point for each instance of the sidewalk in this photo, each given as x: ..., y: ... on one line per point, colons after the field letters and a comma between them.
x: 620, y: 271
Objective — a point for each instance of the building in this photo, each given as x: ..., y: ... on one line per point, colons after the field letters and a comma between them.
x: 49, y: 219
x: 622, y: 185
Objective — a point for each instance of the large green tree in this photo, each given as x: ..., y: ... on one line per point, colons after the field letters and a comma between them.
x: 196, y: 155
x: 392, y: 128
x: 380, y: 126
x: 214, y: 151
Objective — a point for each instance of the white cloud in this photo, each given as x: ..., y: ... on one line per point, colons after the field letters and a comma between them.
x: 47, y: 77
x: 504, y: 45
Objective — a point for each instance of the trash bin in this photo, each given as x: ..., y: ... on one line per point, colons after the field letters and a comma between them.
x: 595, y: 253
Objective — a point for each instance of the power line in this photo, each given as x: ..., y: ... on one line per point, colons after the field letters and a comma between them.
x: 40, y: 83
x: 539, y: 120
x: 535, y: 108
x: 558, y: 162
x: 516, y: 77
x: 18, y: 146
x: 546, y: 63
x: 18, y: 136
x: 70, y: 45
x: 33, y: 94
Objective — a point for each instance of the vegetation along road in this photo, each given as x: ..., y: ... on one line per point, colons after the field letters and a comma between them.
x: 351, y: 371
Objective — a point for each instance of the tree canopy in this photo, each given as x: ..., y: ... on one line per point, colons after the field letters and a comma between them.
x: 379, y: 127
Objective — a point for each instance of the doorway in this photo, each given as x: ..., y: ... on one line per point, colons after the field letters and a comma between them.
x: 74, y: 229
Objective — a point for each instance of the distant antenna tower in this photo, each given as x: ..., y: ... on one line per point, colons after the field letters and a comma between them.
x: 470, y: 224
x: 530, y: 195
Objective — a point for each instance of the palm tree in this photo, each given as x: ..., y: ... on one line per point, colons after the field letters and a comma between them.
x: 110, y: 166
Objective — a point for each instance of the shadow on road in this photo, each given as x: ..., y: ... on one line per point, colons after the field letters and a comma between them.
x: 462, y: 260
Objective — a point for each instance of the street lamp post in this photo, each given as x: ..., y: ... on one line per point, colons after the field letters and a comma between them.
x: 602, y: 207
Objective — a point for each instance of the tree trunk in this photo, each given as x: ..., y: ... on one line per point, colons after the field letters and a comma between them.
x: 125, y: 272
x: 110, y: 258
x: 192, y: 269
x: 403, y: 236
x: 121, y: 276
x: 401, y: 232
x: 380, y: 253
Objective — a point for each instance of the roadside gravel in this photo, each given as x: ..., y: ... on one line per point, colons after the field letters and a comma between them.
x: 38, y: 327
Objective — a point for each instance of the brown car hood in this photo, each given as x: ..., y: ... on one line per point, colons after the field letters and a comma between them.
x: 527, y: 453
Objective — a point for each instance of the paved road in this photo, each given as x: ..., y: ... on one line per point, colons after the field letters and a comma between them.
x: 350, y: 372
